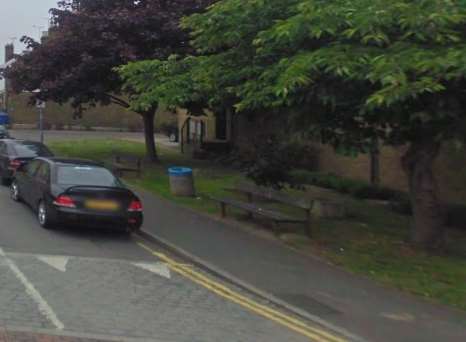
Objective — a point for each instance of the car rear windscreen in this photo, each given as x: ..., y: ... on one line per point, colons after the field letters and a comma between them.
x: 86, y: 175
x: 31, y: 150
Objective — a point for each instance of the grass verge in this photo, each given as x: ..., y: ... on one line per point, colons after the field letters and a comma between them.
x: 372, y: 241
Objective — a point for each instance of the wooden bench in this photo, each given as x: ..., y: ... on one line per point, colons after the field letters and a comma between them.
x: 276, y: 217
x: 126, y: 163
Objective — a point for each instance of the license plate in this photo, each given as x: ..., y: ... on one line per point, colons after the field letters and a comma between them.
x: 102, y: 205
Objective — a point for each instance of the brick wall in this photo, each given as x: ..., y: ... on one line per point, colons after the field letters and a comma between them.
x: 450, y: 166
x: 101, y: 116
x: 450, y: 169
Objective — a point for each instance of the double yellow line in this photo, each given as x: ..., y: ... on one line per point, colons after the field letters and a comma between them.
x: 314, y: 333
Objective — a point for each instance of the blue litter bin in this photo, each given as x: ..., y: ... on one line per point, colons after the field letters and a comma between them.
x: 4, y: 119
x: 181, y: 181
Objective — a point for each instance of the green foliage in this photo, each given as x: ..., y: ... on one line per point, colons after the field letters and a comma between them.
x: 271, y: 159
x: 223, y: 38
x: 357, y: 189
x: 358, y: 68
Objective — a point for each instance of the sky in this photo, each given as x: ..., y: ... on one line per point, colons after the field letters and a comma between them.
x: 18, y: 18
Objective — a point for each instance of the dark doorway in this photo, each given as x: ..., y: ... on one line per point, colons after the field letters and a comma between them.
x: 221, y: 126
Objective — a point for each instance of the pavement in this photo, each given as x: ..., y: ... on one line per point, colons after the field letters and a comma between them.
x: 75, y: 284
x: 323, y: 291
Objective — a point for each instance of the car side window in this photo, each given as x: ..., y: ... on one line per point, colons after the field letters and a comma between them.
x: 43, y: 175
x: 32, y: 167
x: 2, y: 148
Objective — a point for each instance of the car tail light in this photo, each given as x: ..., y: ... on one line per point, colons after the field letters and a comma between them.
x: 135, y: 205
x: 64, y: 201
x: 15, y: 164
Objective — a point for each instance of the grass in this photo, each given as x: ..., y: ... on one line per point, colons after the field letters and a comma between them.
x: 371, y: 242
x: 209, y: 180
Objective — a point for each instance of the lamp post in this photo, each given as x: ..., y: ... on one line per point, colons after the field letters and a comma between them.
x: 40, y: 105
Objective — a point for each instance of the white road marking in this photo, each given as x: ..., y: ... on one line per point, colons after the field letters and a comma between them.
x: 44, y: 307
x: 158, y: 268
x: 57, y: 262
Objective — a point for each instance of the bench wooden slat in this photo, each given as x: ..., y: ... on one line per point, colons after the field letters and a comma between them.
x: 269, y: 194
x: 127, y: 163
x: 271, y: 214
x: 274, y: 195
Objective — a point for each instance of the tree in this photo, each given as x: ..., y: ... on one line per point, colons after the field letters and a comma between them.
x: 221, y: 61
x: 357, y: 70
x: 406, y: 58
x: 89, y: 39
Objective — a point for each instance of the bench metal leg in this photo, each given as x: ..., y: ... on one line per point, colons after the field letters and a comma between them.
x: 276, y: 228
x: 223, y: 209
x: 309, y: 224
x: 309, y: 229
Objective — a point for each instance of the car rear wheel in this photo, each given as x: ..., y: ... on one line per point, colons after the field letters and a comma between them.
x: 43, y: 216
x: 14, y: 192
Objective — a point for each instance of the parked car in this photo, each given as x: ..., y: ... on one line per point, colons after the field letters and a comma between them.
x: 4, y: 132
x: 76, y: 192
x: 14, y: 153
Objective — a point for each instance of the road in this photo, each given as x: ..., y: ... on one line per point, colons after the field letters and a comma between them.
x: 108, y: 286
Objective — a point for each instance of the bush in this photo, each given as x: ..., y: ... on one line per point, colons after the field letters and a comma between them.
x: 270, y: 160
x: 358, y: 189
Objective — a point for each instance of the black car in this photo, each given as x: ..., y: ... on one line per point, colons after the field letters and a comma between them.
x: 4, y: 132
x: 14, y: 153
x: 76, y: 192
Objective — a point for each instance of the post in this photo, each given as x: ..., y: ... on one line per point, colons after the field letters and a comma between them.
x: 223, y: 208
x: 40, y: 105
x: 309, y: 222
x: 41, y: 124
x: 375, y: 162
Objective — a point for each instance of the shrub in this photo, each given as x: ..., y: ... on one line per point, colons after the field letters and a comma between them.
x: 270, y: 159
x: 356, y: 188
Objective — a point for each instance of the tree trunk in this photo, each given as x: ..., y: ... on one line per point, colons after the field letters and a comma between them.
x: 375, y: 162
x: 428, y: 229
x: 148, y: 119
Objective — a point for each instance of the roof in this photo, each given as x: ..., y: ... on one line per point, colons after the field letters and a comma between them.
x: 71, y: 161
x: 21, y: 141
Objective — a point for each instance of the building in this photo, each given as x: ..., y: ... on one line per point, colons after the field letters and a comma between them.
x: 208, y: 132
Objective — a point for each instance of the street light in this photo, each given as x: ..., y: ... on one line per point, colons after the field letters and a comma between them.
x: 40, y: 105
